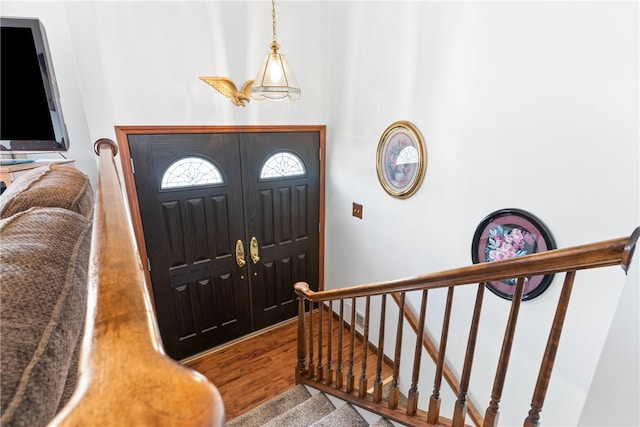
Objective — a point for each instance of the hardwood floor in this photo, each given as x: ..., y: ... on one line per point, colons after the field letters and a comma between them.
x: 255, y: 369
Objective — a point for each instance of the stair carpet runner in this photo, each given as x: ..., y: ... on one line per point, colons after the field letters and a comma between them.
x: 298, y: 407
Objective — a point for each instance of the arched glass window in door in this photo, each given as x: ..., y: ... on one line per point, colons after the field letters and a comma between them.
x: 191, y: 172
x: 282, y: 164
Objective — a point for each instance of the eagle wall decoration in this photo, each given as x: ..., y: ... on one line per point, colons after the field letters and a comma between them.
x: 225, y: 86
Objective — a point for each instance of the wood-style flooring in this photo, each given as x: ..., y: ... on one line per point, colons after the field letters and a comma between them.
x: 254, y: 369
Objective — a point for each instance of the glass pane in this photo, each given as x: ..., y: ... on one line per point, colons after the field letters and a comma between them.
x: 282, y: 164
x: 191, y: 172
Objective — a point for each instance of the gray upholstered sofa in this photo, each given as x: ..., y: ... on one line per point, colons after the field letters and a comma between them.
x: 45, y: 234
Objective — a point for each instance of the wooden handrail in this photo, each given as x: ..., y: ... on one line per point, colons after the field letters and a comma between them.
x: 125, y: 376
x: 594, y: 255
x: 569, y: 261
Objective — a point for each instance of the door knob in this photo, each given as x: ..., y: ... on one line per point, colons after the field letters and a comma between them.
x: 253, y: 250
x: 240, y: 254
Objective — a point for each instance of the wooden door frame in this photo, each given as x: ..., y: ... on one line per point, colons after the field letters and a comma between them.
x: 122, y: 133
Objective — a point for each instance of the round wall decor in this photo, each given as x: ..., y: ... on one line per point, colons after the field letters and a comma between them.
x: 509, y: 233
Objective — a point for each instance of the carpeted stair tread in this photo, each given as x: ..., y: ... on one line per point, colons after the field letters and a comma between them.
x: 345, y: 415
x: 382, y: 422
x: 298, y: 407
x: 304, y: 414
x: 272, y: 408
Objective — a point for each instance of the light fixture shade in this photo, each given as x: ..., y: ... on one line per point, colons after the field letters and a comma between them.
x: 275, y: 80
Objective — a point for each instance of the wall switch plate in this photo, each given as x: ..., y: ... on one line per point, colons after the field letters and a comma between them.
x: 357, y: 210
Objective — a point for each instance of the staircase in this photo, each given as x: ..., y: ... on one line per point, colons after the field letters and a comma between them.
x: 299, y: 407
x: 333, y: 384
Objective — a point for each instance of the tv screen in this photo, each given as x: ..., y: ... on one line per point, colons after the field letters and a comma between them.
x: 30, y: 115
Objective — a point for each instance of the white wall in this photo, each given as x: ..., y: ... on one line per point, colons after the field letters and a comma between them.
x: 531, y: 105
x: 65, y: 64
x: 523, y: 104
x: 619, y: 360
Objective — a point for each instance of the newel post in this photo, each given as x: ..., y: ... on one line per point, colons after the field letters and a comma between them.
x: 300, y: 288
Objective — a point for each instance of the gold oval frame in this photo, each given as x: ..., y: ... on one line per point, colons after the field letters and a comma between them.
x: 396, y: 187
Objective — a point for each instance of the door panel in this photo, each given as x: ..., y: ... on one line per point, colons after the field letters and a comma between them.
x: 283, y: 214
x: 197, y: 284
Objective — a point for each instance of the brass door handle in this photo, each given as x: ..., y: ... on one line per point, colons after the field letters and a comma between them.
x: 253, y: 250
x: 240, y: 254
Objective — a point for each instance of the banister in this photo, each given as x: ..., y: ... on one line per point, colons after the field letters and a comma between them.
x: 125, y: 376
x: 594, y: 255
x: 569, y: 260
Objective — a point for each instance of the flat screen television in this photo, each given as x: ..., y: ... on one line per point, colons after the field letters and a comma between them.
x: 30, y: 116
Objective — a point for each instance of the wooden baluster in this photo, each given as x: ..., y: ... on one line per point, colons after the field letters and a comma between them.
x: 339, y: 373
x: 394, y: 390
x: 352, y: 346
x: 460, y: 408
x: 301, y: 340
x: 320, y: 364
x: 493, y: 411
x: 412, y: 398
x: 434, y: 401
x: 312, y: 370
x: 365, y: 350
x: 378, y: 384
x: 329, y: 346
x: 540, y: 392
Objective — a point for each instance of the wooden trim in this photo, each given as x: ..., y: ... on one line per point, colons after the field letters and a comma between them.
x: 134, y: 207
x: 174, y: 129
x: 125, y: 376
x: 323, y: 158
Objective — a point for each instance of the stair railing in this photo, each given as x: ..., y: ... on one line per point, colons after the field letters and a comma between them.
x: 568, y: 261
x: 126, y: 378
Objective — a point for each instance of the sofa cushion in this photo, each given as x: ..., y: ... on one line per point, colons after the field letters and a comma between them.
x: 44, y: 261
x: 52, y: 185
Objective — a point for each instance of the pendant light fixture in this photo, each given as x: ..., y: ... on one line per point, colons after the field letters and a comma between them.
x: 275, y: 79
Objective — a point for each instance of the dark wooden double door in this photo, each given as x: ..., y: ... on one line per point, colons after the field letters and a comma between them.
x: 224, y: 254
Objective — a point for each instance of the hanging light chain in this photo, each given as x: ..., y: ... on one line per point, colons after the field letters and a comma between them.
x: 273, y: 17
